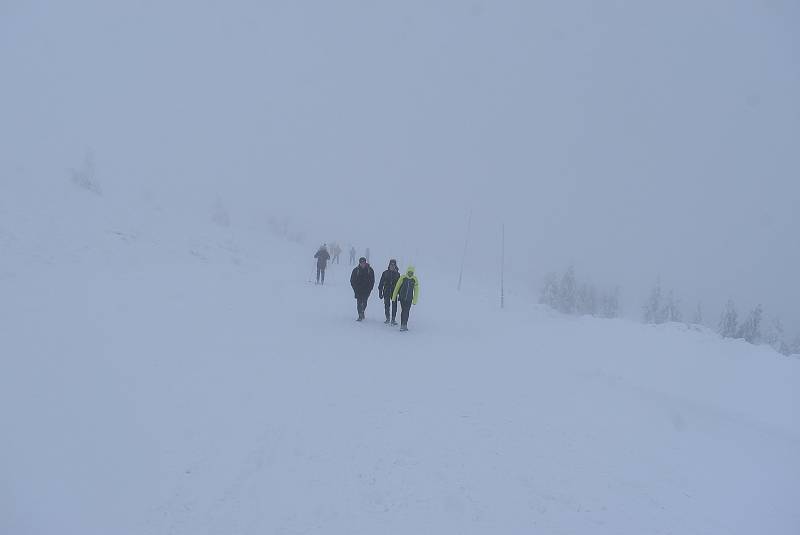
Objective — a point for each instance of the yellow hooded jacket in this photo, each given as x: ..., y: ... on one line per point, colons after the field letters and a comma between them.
x: 409, y: 274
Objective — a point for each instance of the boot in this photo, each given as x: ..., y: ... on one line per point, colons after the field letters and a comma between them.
x: 403, y: 328
x: 394, y: 322
x: 387, y: 320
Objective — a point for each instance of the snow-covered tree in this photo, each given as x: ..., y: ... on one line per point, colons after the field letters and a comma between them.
x: 750, y: 329
x: 653, y: 308
x: 793, y: 348
x: 609, y: 304
x: 772, y: 333
x: 728, y: 323
x: 671, y: 310
x: 568, y: 292
x: 697, y: 319
x: 586, y: 299
x: 550, y: 293
x: 568, y: 295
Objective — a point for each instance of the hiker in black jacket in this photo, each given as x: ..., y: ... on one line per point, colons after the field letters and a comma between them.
x: 386, y: 287
x: 363, y: 281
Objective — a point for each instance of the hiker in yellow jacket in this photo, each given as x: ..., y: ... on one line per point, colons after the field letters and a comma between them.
x: 407, y: 291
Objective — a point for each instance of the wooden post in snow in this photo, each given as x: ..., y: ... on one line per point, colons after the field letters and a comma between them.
x: 502, y: 264
x: 463, y: 256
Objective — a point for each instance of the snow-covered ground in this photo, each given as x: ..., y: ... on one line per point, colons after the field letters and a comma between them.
x: 167, y: 376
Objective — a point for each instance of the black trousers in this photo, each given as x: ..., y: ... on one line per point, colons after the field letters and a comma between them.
x: 406, y: 306
x: 386, y: 301
x: 320, y: 273
x: 361, y: 305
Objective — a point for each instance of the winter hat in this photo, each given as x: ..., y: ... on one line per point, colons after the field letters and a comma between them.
x: 362, y: 259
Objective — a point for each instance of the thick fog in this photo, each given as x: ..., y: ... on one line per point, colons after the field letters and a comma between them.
x: 631, y: 139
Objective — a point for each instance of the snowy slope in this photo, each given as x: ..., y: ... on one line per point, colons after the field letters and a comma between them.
x: 164, y: 375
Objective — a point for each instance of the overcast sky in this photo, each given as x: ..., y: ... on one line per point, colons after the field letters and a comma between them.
x: 630, y: 138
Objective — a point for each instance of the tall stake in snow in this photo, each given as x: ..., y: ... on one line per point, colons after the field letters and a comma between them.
x: 502, y: 264
x: 463, y: 256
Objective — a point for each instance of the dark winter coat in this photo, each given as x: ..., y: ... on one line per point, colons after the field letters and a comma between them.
x: 322, y: 257
x: 363, y: 281
x: 387, y: 282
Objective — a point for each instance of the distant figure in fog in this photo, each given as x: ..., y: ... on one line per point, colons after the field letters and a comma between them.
x: 337, y: 250
x: 352, y: 255
x: 366, y: 255
x: 322, y: 255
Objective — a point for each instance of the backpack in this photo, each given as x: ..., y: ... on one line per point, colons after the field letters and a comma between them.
x: 406, y: 292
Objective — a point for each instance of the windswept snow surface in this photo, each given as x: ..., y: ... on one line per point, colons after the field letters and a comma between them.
x: 167, y: 377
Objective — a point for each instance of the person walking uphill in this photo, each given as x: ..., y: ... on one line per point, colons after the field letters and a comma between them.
x: 363, y: 281
x: 322, y: 257
x: 407, y: 291
x: 386, y: 287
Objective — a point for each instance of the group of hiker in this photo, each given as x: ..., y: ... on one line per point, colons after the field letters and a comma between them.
x: 323, y: 256
x: 335, y: 250
x: 392, y: 286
